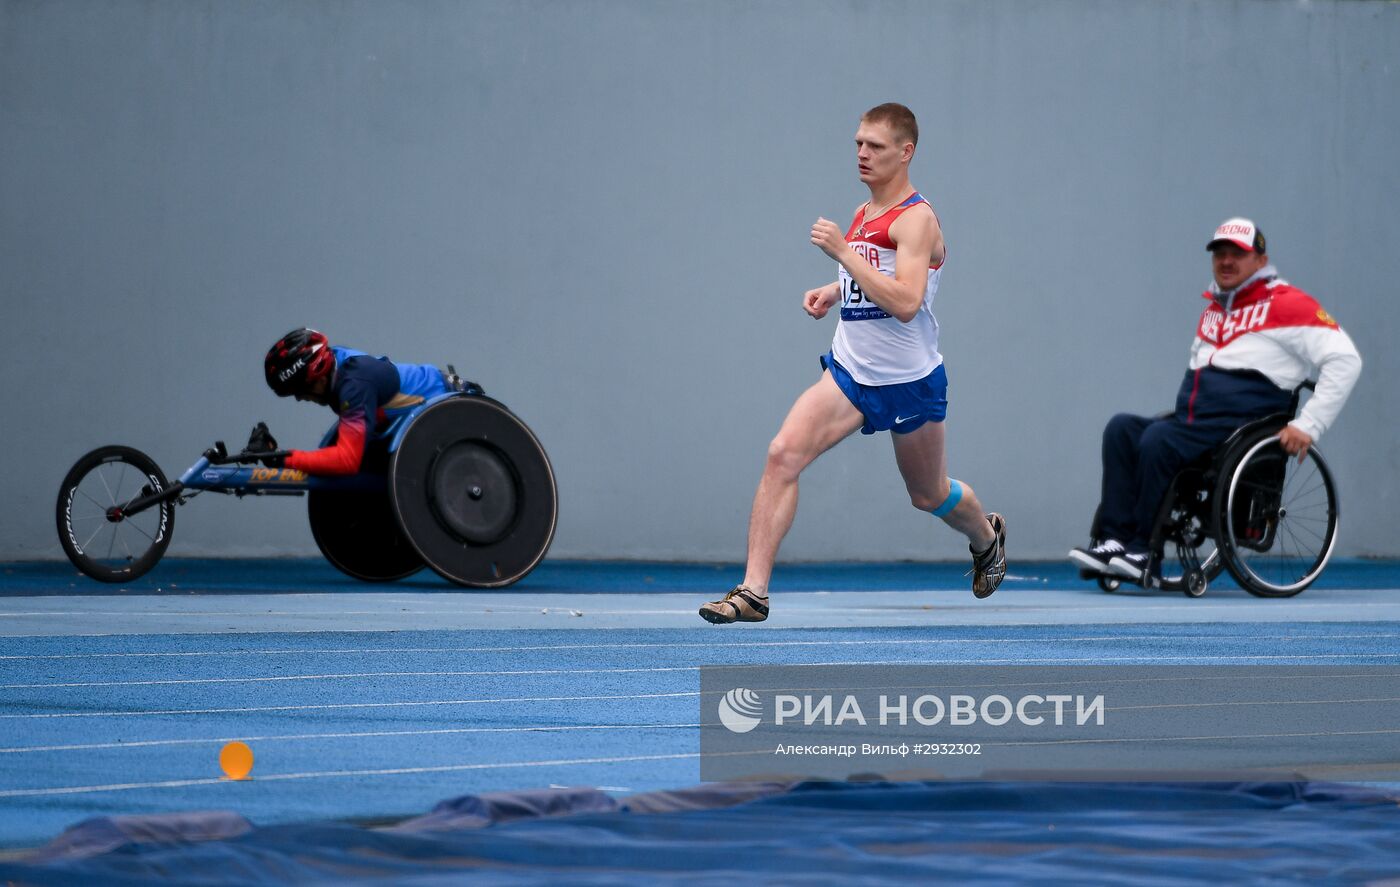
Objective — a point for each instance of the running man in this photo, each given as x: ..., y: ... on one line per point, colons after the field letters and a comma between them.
x: 883, y: 373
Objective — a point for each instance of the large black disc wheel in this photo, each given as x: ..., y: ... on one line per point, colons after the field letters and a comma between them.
x: 474, y: 492
x: 1275, y: 517
x: 96, y: 532
x: 359, y: 535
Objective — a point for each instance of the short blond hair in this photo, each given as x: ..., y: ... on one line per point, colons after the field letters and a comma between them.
x: 897, y: 117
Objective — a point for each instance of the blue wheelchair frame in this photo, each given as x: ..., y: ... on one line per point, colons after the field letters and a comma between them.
x: 218, y: 472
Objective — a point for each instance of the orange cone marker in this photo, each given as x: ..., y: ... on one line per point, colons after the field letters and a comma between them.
x: 236, y: 760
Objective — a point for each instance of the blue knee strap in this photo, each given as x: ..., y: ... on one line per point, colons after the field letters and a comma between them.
x: 954, y: 497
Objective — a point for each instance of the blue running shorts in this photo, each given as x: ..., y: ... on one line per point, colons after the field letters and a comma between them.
x: 898, y: 408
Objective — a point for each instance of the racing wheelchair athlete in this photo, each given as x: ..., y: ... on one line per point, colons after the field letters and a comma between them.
x: 421, y: 468
x: 1234, y: 465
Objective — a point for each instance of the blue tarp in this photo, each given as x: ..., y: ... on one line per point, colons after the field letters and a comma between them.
x: 813, y: 832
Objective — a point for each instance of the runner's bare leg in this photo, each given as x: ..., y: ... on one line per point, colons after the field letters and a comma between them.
x: 821, y: 418
x: 924, y: 465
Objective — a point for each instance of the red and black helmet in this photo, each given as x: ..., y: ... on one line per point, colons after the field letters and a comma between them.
x: 298, y: 359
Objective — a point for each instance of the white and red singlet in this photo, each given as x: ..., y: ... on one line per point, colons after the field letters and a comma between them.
x: 873, y: 346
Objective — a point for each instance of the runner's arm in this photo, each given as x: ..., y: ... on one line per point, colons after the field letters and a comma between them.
x: 917, y: 239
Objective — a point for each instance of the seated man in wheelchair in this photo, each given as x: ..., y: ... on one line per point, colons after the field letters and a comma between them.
x: 1257, y: 340
x: 365, y: 392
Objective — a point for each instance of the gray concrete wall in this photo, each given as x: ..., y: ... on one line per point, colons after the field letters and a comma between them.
x: 600, y: 210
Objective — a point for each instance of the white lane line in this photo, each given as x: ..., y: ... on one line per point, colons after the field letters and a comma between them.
x: 299, y: 737
x: 232, y: 630
x: 362, y: 675
x: 664, y: 669
x: 1236, y: 702
x: 1146, y: 739
x: 333, y: 706
x: 258, y: 614
x: 1217, y: 609
x: 908, y: 618
x: 333, y: 774
x: 379, y: 614
x: 1059, y: 660
x: 741, y: 645
x: 550, y: 728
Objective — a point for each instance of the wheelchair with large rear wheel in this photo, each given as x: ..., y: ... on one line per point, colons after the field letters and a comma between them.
x: 1248, y: 508
x: 459, y: 484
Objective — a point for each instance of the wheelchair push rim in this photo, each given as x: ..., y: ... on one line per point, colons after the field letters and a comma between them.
x: 96, y: 533
x: 474, y: 492
x: 1276, y: 533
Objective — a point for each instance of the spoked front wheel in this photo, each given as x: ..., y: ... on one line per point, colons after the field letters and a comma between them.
x: 97, y: 534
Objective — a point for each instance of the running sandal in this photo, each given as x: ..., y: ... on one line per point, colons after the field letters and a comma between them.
x: 740, y: 605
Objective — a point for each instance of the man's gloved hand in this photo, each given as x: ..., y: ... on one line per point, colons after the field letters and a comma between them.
x: 260, y: 440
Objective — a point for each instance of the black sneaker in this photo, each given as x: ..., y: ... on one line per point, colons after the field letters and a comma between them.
x: 1095, y: 558
x: 1131, y: 566
x: 989, y: 567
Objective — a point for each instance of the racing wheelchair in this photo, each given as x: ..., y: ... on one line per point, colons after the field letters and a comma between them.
x: 459, y: 484
x: 1249, y: 508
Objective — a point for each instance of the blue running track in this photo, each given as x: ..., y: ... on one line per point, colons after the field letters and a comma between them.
x: 372, y: 703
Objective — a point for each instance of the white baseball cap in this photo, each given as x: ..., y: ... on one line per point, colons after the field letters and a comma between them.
x: 1242, y: 232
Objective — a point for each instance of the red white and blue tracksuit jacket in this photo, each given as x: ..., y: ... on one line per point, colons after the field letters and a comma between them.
x: 1254, y: 345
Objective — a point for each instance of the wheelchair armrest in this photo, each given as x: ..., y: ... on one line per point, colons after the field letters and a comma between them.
x: 1275, y: 422
x: 1306, y: 385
